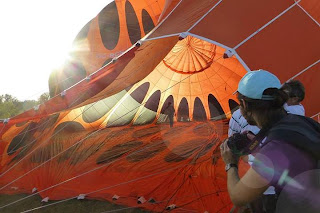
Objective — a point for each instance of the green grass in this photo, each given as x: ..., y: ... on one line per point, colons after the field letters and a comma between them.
x: 73, y: 206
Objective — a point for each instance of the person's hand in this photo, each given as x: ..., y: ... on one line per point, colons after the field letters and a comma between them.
x: 250, y: 135
x: 226, y: 154
x: 245, y: 158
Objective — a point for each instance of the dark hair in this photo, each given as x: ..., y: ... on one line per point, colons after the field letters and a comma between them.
x: 269, y: 110
x: 294, y: 88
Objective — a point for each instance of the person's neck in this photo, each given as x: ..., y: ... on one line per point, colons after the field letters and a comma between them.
x: 293, y: 104
x: 266, y: 120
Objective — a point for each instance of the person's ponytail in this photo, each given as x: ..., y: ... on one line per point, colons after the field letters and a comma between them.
x: 280, y: 97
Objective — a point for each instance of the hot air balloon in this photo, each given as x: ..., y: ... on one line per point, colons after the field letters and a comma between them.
x: 104, y: 133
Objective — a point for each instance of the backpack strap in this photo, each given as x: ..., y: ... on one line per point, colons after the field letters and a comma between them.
x: 299, y: 131
x: 302, y: 132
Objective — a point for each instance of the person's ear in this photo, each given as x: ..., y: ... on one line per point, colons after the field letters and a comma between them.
x: 296, y: 100
x: 244, y: 104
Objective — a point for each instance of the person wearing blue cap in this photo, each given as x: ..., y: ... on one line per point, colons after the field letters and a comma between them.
x: 286, y: 147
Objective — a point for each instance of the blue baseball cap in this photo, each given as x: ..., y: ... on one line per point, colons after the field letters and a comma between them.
x: 254, y: 83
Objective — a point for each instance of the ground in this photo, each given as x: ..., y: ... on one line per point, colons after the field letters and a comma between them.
x: 74, y: 206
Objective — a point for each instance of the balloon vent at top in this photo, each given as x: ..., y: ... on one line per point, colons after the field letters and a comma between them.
x: 190, y: 55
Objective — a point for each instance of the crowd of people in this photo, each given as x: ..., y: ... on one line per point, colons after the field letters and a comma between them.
x: 271, y: 132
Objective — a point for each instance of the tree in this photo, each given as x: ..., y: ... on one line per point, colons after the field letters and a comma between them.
x: 8, y: 98
x: 9, y: 106
x: 43, y: 98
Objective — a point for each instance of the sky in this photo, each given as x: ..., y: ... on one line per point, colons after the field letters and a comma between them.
x: 35, y: 37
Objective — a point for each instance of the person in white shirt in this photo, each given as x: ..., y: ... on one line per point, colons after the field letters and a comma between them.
x: 296, y: 93
x: 239, y: 124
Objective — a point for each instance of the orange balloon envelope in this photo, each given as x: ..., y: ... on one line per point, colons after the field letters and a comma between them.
x: 105, y: 133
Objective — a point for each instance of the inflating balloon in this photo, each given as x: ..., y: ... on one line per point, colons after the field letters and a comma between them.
x: 105, y: 133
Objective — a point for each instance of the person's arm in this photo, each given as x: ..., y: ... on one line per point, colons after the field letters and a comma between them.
x: 246, y: 189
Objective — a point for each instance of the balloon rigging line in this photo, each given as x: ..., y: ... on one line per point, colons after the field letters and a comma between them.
x: 160, y: 37
x: 317, y: 114
x: 35, y: 149
x: 223, y: 207
x: 48, y: 138
x: 78, y: 141
x: 216, y: 139
x: 110, y: 62
x: 106, y: 65
x: 32, y: 152
x: 197, y: 190
x: 313, y: 19
x: 13, y: 149
x: 242, y: 61
x: 76, y: 177
x: 217, y: 73
x: 200, y: 19
x: 67, y: 179
x: 3, y: 126
x: 132, y: 207
x: 191, y: 168
x: 40, y: 91
x: 64, y: 80
x: 120, y: 116
x: 52, y: 187
x: 183, y: 182
x: 132, y: 73
x: 74, y: 119
x: 151, y: 175
x: 266, y: 25
x: 102, y: 68
x: 304, y: 70
x: 208, y: 40
x: 94, y: 72
x: 214, y: 182
x: 189, y: 75
x: 119, y: 184
x: 223, y: 46
x: 57, y: 95
x: 216, y: 192
x: 74, y: 144
x: 54, y: 85
x: 163, y: 20
x: 73, y: 101
x: 177, y: 207
x: 35, y: 140
x: 179, y: 187
x: 206, y: 14
x: 24, y: 133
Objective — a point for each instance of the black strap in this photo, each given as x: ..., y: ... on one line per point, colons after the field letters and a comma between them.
x: 299, y: 131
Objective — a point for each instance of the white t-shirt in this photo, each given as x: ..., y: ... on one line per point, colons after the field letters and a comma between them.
x: 294, y: 109
x: 239, y: 124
